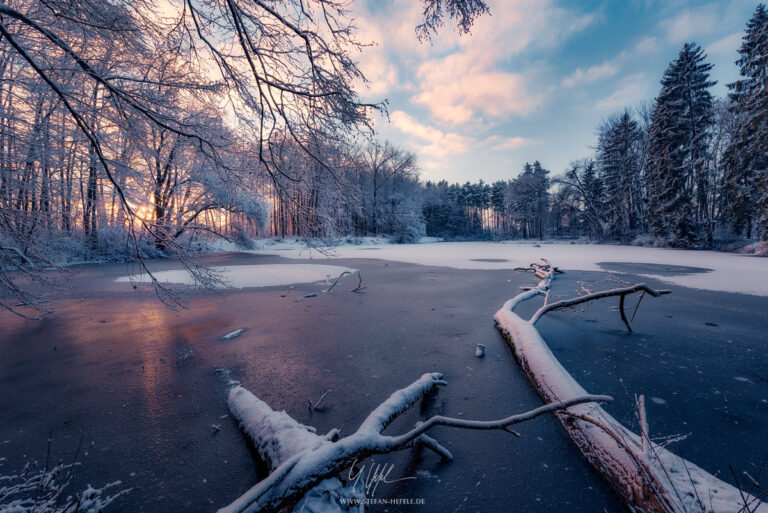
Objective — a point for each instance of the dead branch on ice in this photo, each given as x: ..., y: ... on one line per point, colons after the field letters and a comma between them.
x: 305, y: 465
x: 621, y: 292
x: 644, y: 475
x: 345, y: 273
x: 359, y: 287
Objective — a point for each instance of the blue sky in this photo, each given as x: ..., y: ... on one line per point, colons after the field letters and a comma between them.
x: 533, y: 80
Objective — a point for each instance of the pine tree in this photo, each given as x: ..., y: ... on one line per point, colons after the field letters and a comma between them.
x: 618, y: 155
x: 678, y: 149
x: 746, y: 173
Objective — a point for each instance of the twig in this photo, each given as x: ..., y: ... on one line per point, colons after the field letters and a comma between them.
x: 741, y: 492
x: 643, y: 424
x: 637, y: 306
x: 337, y: 280
x: 623, y: 315
x: 322, y: 397
x: 359, y: 283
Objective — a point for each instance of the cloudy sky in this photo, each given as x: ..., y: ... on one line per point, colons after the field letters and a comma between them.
x: 534, y: 79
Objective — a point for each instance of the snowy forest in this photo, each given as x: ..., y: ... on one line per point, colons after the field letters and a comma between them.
x: 128, y: 132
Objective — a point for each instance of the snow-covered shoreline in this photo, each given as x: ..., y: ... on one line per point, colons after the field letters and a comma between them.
x: 729, y: 272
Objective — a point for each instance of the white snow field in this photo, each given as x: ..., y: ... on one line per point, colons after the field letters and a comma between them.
x: 729, y: 272
x: 242, y: 276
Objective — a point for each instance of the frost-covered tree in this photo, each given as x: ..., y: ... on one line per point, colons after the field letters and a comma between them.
x: 678, y: 149
x: 618, y: 153
x: 584, y: 187
x: 99, y: 105
x: 746, y: 159
x: 528, y: 199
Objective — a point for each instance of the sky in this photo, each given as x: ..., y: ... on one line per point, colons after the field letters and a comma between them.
x: 533, y: 80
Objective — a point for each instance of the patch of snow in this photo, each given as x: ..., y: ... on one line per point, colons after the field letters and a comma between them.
x: 730, y: 272
x: 242, y: 276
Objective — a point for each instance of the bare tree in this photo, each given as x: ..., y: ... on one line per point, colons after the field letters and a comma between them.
x: 117, y: 101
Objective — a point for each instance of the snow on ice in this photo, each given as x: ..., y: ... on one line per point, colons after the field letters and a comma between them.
x: 242, y: 276
x: 730, y: 272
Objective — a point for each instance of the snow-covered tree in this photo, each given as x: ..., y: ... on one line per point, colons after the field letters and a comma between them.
x: 528, y: 199
x: 678, y: 149
x: 746, y: 180
x: 618, y: 154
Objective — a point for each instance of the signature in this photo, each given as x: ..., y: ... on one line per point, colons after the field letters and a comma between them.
x: 377, y: 474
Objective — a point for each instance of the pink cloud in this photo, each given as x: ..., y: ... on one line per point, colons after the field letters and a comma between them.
x: 457, y: 88
x: 470, y: 83
x: 462, y: 78
x: 507, y: 143
x: 436, y: 143
x: 439, y: 143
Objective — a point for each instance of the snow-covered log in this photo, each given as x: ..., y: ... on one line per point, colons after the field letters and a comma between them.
x: 644, y: 475
x: 305, y: 466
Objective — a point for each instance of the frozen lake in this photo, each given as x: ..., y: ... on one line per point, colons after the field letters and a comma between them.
x: 142, y: 382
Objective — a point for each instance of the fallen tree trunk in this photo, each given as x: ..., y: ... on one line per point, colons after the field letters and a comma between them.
x: 305, y: 466
x: 644, y: 475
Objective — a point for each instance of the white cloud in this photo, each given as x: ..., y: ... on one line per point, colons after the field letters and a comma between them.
x: 631, y: 90
x: 591, y: 74
x: 727, y: 45
x: 611, y: 67
x: 691, y: 23
x: 646, y: 45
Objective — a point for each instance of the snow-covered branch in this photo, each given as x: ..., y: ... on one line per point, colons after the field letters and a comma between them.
x: 622, y: 292
x: 306, y: 466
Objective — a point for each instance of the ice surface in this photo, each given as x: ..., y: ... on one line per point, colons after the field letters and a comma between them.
x: 241, y: 276
x: 730, y: 272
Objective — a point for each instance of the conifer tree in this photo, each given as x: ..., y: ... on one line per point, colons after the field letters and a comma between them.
x: 678, y: 149
x: 618, y: 155
x: 746, y: 159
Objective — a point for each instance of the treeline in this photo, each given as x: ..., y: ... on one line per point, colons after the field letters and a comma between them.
x: 688, y: 170
x: 126, y: 132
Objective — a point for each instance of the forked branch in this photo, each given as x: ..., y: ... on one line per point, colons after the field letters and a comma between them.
x: 621, y: 292
x: 301, y: 460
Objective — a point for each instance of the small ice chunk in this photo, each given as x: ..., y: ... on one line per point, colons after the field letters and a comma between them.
x: 742, y: 379
x: 480, y: 350
x: 233, y: 334
x: 658, y: 400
